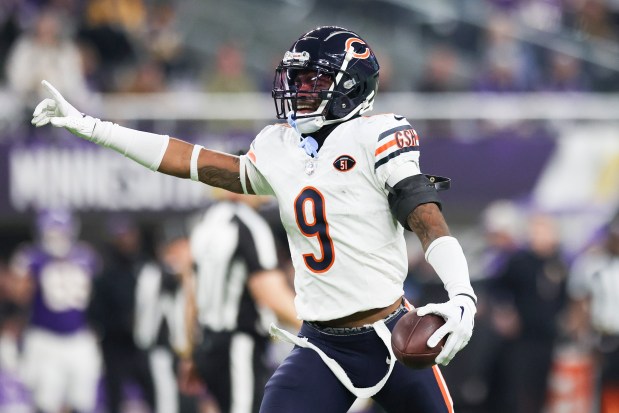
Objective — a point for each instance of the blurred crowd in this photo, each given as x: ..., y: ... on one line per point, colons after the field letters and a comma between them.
x: 89, y: 47
x: 139, y: 46
x: 525, y: 46
x: 546, y: 333
x: 117, y: 323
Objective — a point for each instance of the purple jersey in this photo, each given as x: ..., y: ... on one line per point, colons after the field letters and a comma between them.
x: 14, y: 397
x: 62, y: 287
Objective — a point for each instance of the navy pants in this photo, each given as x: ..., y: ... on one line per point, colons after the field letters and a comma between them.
x: 304, y: 384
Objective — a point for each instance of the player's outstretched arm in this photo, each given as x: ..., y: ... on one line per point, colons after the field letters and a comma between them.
x: 445, y: 255
x: 157, y: 152
x: 211, y: 167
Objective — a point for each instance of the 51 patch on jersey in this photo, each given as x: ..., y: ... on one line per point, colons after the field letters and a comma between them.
x: 344, y: 163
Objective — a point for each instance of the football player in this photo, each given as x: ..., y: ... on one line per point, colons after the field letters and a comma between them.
x: 61, y: 359
x: 347, y: 187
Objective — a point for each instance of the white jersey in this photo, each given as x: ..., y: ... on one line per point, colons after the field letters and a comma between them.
x: 595, y: 275
x: 347, y: 249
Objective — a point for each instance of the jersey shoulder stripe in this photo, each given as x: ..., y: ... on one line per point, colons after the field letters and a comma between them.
x: 395, y: 142
x: 391, y: 131
x: 394, y: 154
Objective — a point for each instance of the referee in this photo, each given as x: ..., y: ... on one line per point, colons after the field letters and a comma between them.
x: 594, y: 289
x: 240, y: 291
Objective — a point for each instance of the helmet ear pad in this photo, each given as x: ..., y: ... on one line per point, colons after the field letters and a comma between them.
x: 343, y: 103
x: 340, y: 106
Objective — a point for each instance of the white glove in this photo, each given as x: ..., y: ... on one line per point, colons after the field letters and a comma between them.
x: 145, y: 148
x: 62, y: 114
x: 459, y: 315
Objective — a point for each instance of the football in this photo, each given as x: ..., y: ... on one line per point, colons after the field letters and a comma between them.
x: 409, y: 339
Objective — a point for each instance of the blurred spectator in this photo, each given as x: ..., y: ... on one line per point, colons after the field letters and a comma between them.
x: 507, y: 65
x: 147, y: 77
x: 166, y: 45
x: 113, y: 313
x: 15, y: 296
x: 440, y: 71
x: 61, y: 359
x: 15, y: 293
x: 501, y: 226
x: 564, y: 74
x: 130, y: 15
x: 46, y: 52
x: 240, y: 290
x: 108, y: 36
x: 502, y: 223
x: 387, y: 82
x: 163, y: 312
x: 440, y: 74
x: 594, y: 291
x: 592, y: 20
x: 9, y: 31
x: 594, y: 23
x: 499, y: 73
x: 230, y: 75
x: 91, y: 67
x: 544, y: 15
x: 530, y: 294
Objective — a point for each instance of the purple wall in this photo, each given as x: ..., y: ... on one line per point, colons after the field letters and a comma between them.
x: 95, y: 179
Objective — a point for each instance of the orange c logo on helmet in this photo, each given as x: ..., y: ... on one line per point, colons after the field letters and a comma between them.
x: 363, y: 55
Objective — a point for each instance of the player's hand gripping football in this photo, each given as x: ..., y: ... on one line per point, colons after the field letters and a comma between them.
x: 62, y: 114
x: 459, y: 315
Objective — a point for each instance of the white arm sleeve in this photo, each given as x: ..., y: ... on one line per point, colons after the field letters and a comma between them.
x: 447, y: 258
x: 145, y: 148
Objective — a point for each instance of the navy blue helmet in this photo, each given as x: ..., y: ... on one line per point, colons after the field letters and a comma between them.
x: 330, y: 52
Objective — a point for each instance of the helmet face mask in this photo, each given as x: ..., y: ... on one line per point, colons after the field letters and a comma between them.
x: 302, y: 99
x: 350, y: 66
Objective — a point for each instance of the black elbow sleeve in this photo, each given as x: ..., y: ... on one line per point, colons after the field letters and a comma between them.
x: 413, y: 191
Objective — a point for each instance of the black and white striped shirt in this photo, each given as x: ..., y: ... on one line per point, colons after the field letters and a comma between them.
x: 229, y: 244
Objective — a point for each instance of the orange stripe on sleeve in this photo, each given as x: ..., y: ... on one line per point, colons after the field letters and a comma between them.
x: 384, y: 147
x: 443, y: 386
x: 252, y: 156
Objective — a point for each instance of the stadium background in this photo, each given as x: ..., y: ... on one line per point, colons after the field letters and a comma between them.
x: 516, y: 100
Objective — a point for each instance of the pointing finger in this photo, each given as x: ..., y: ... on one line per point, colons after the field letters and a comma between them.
x: 52, y: 90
